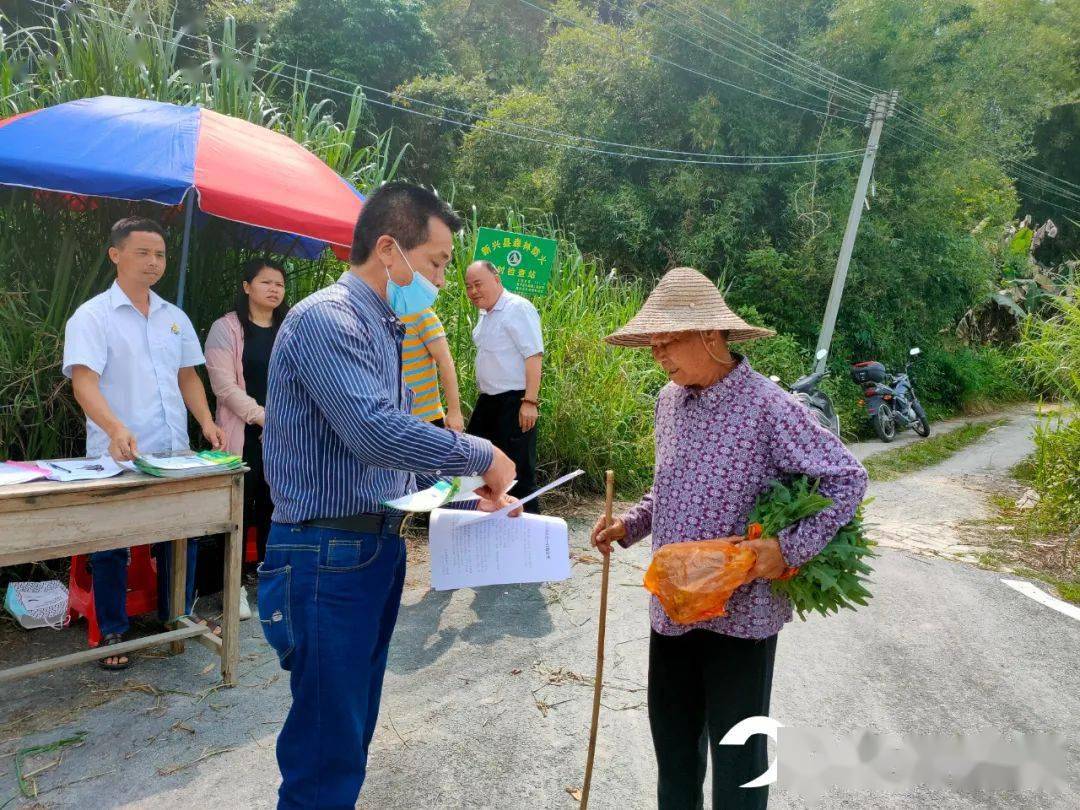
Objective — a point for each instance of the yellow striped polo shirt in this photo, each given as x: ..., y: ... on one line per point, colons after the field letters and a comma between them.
x: 418, y: 364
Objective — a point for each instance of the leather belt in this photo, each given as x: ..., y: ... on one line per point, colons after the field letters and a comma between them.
x: 366, y: 523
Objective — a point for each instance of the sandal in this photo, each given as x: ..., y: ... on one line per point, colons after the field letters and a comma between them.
x: 118, y: 664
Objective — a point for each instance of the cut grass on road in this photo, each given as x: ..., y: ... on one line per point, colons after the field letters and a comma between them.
x: 903, y: 460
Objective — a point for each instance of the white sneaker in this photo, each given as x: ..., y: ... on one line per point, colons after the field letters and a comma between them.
x: 245, y: 608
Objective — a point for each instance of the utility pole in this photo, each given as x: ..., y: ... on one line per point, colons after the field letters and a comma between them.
x: 881, y: 107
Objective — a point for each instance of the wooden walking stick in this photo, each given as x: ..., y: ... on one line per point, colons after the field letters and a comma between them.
x: 599, y: 680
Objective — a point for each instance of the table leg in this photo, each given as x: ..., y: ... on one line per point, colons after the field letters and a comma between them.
x: 230, y: 620
x: 178, y: 588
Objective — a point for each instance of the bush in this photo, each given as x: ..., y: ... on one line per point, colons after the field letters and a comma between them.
x: 1049, y: 352
x: 948, y: 379
x: 1049, y: 356
x: 38, y: 417
x: 1057, y: 474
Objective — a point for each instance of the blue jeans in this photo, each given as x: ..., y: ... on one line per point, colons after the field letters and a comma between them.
x: 109, y: 572
x: 328, y: 602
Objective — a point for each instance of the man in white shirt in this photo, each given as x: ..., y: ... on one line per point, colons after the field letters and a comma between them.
x: 509, y: 362
x: 131, y: 357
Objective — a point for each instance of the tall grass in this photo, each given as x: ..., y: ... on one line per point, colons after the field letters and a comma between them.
x: 52, y: 251
x: 1050, y: 356
x: 1050, y: 351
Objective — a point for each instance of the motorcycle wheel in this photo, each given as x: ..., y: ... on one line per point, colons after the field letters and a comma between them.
x: 922, y: 424
x: 884, y: 425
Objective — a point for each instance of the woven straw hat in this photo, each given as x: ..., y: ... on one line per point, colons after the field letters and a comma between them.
x: 684, y: 301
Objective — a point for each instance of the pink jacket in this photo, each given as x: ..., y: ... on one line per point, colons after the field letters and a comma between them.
x: 225, y: 365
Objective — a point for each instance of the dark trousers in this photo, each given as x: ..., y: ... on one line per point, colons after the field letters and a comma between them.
x: 700, y: 685
x: 495, y: 418
x: 109, y: 570
x: 257, y: 504
x: 328, y: 602
x: 257, y: 511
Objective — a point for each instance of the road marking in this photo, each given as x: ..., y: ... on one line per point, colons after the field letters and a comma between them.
x: 1041, y: 596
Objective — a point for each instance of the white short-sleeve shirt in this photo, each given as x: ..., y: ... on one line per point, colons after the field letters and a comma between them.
x: 138, y: 359
x: 505, y: 336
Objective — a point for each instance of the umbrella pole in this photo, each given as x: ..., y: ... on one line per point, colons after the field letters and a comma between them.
x: 189, y: 208
x: 598, y: 680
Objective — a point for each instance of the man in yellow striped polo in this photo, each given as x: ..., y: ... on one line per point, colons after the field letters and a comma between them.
x: 425, y: 362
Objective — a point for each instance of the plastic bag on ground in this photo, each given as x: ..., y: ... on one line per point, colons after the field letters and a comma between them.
x: 694, y: 580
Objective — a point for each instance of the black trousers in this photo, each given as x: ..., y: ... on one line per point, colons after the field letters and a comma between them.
x: 258, y: 509
x: 495, y: 418
x: 700, y: 685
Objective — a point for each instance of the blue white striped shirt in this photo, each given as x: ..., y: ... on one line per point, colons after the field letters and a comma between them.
x: 339, y: 438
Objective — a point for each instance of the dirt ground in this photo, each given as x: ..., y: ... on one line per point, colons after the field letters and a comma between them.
x: 488, y: 691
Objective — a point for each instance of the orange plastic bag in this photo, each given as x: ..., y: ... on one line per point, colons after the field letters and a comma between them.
x: 693, y: 581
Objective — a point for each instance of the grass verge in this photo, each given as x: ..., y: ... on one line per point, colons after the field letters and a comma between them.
x: 903, y: 460
x: 1016, y: 543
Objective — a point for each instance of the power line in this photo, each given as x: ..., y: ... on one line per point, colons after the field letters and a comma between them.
x: 1021, y: 176
x: 747, y: 46
x: 825, y: 100
x: 1025, y: 174
x: 785, y: 58
x: 651, y: 152
x: 906, y: 110
x: 707, y: 159
x: 1017, y: 164
x: 894, y: 134
x: 669, y: 62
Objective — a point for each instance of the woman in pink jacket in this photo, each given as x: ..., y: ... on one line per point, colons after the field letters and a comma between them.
x: 237, y: 353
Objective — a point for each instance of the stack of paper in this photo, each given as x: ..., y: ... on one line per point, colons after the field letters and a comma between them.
x: 19, y: 472
x: 183, y: 466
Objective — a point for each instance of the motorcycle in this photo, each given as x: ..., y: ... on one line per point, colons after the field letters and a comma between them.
x: 805, y: 390
x: 890, y: 399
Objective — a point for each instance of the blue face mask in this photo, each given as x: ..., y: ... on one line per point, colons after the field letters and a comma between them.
x: 416, y: 296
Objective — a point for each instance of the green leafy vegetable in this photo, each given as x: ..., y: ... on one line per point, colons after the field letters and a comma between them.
x: 836, y: 577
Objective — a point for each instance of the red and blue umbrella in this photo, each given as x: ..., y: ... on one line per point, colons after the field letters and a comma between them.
x: 135, y: 149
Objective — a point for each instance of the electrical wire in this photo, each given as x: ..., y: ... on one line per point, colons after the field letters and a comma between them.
x: 903, y: 110
x: 824, y: 99
x: 707, y: 158
x: 671, y: 63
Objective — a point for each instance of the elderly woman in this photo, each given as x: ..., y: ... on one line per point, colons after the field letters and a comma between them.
x: 723, y: 433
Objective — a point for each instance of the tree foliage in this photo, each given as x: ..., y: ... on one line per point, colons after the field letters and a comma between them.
x: 379, y: 43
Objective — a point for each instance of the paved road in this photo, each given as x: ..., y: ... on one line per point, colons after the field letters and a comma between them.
x: 487, y: 698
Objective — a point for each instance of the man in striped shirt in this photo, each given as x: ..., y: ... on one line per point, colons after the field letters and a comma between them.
x: 339, y: 441
x: 426, y: 361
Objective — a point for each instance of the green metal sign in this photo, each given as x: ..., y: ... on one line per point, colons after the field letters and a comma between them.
x: 525, y: 262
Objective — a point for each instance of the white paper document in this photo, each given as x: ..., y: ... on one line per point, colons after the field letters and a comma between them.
x: 81, y: 469
x: 466, y: 553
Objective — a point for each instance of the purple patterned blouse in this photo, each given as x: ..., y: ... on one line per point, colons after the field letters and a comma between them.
x: 717, y: 449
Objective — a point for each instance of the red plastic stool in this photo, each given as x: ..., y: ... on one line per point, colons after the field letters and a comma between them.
x: 141, y: 595
x: 251, y: 548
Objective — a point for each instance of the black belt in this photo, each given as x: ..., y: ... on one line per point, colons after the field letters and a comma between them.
x: 366, y: 523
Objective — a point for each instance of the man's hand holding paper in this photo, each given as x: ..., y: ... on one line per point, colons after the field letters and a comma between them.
x: 498, y: 478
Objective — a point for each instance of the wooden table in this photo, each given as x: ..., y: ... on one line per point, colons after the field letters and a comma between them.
x: 42, y: 520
